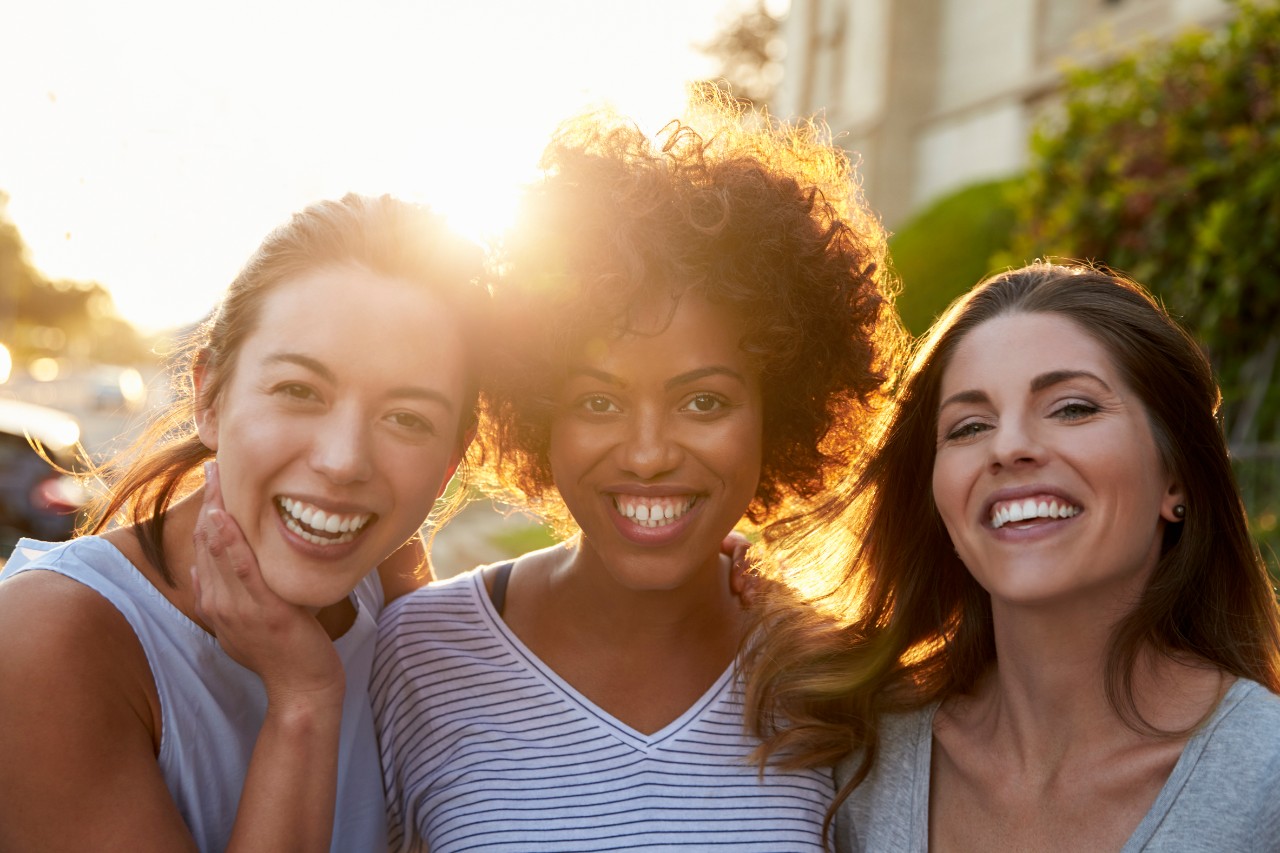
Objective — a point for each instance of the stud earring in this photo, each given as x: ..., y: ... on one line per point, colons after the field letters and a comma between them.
x: 1179, y: 511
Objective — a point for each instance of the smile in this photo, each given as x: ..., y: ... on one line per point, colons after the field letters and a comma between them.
x: 317, y: 526
x: 652, y: 512
x: 1007, y: 512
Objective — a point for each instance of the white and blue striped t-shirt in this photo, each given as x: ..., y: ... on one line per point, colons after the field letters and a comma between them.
x: 485, y: 748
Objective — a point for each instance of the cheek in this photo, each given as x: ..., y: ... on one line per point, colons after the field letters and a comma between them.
x: 941, y: 484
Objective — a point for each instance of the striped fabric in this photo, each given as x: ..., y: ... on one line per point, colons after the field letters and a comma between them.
x: 485, y: 748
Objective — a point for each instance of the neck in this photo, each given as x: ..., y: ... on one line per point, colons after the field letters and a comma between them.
x: 1047, y: 693
x: 609, y: 608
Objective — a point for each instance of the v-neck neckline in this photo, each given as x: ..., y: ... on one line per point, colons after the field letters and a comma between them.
x: 573, y: 697
x: 1160, y: 807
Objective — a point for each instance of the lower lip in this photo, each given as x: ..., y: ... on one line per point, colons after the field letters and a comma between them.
x: 652, y: 536
x: 336, y: 551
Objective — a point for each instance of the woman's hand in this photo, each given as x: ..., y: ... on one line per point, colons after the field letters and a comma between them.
x: 283, y: 643
x: 743, y: 577
x: 288, y: 799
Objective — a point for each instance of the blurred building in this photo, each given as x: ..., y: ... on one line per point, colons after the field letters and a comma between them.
x: 938, y: 94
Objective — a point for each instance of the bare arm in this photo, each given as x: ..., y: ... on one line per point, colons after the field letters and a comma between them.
x: 79, y: 726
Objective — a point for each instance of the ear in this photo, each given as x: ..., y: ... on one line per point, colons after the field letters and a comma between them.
x: 1174, y: 496
x: 456, y: 460
x: 206, y: 411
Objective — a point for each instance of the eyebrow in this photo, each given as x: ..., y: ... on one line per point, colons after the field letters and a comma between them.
x: 1041, y: 382
x: 1053, y: 377
x: 673, y: 382
x: 412, y: 392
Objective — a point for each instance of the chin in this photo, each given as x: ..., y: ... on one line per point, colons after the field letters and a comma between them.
x: 302, y: 591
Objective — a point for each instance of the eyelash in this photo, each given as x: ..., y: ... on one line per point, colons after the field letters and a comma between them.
x: 1076, y: 410
x: 718, y: 403
x: 966, y: 430
x: 1082, y: 410
x: 588, y: 402
x: 302, y: 393
x: 292, y: 389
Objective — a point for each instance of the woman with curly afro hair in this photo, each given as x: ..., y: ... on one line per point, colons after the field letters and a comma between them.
x: 695, y: 330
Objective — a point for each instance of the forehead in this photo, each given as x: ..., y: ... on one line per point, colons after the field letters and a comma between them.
x: 1015, y: 348
x: 353, y: 318
x: 689, y: 328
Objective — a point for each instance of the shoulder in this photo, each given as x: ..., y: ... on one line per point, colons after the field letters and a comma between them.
x: 69, y: 648
x: 1245, y: 727
x: 439, y: 601
x: 441, y: 622
x: 899, y: 736
x: 52, y: 613
x: 1222, y: 792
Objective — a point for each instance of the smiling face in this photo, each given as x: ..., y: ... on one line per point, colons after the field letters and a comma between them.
x: 1047, y: 476
x: 656, y: 444
x: 338, y: 427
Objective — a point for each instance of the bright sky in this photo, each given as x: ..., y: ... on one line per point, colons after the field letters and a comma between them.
x: 150, y: 144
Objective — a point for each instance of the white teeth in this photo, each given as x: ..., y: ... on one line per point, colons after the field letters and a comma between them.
x: 651, y: 512
x: 308, y: 521
x: 1026, y: 510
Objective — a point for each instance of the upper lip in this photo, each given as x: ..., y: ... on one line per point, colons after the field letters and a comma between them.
x: 644, y: 490
x: 330, y: 507
x: 1015, y: 493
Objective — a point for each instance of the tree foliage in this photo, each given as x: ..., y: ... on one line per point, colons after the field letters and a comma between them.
x: 1166, y: 164
x: 750, y: 51
x: 42, y: 317
x: 948, y: 247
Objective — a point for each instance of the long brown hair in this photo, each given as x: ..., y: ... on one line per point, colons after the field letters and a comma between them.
x: 382, y: 234
x: 900, y: 623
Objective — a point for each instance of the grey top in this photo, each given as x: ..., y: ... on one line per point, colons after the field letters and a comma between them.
x: 1223, y: 794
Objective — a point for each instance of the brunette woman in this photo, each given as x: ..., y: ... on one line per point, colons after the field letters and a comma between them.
x: 1052, y: 630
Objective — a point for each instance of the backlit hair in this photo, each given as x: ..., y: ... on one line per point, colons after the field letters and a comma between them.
x: 898, y: 622
x: 763, y: 220
x: 381, y: 234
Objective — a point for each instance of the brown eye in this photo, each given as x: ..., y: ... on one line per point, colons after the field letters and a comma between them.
x: 410, y: 421
x: 597, y: 404
x: 704, y: 403
x: 297, y: 391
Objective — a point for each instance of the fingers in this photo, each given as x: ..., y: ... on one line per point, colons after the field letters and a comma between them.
x: 743, y: 577
x: 213, y: 485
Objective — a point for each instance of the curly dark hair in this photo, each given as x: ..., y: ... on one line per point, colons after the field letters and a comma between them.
x: 761, y: 218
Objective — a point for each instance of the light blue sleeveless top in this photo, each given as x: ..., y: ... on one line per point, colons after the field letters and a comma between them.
x: 212, y: 708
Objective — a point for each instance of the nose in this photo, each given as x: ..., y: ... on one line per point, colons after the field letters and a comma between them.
x: 341, y: 447
x: 1016, y: 443
x: 649, y: 447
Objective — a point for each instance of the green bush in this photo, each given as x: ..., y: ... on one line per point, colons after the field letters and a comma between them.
x: 1166, y: 165
x: 948, y: 248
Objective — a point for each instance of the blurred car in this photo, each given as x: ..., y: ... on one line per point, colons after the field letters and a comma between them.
x: 36, y: 499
